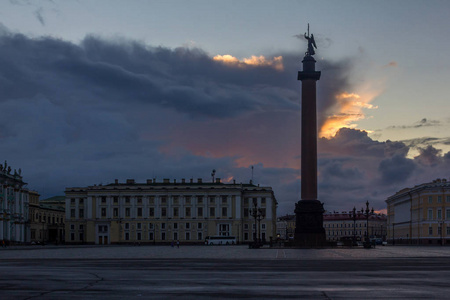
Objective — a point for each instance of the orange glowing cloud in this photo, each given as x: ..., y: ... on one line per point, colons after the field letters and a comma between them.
x: 255, y: 61
x: 381, y: 211
x: 348, y: 109
x: 228, y: 179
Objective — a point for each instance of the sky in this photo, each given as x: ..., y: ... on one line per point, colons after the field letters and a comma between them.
x: 92, y: 91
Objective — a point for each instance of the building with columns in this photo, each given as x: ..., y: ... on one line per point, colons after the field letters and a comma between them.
x: 163, y: 212
x: 46, y: 219
x: 13, y: 206
x: 341, y: 226
x: 421, y: 214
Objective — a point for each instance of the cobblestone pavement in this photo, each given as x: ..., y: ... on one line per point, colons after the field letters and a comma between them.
x: 219, y: 252
x: 205, y: 272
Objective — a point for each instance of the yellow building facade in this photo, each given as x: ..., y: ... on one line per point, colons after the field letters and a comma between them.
x: 163, y: 212
x: 46, y: 220
x: 420, y: 215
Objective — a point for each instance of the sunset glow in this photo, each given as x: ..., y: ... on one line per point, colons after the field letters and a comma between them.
x: 256, y: 61
x: 347, y: 110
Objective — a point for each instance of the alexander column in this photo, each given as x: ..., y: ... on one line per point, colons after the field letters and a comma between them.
x: 309, y: 231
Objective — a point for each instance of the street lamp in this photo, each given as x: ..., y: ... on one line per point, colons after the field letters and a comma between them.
x: 367, y: 213
x: 354, y: 225
x: 258, y: 214
x: 119, y: 223
x: 43, y: 233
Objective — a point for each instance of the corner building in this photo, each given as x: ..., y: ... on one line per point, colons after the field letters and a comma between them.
x: 162, y: 212
x: 13, y: 206
x: 421, y: 214
x: 46, y: 220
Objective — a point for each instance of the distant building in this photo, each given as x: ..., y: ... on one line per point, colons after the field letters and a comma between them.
x: 46, y: 219
x: 161, y: 212
x: 286, y: 227
x: 13, y: 206
x: 343, y: 226
x: 421, y: 214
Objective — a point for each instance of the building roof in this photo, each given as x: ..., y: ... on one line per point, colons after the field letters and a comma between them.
x: 54, y: 199
x: 345, y: 216
x: 56, y: 203
x: 437, y: 183
x: 166, y: 184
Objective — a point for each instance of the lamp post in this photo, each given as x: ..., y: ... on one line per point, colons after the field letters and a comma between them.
x: 119, y: 224
x: 354, y: 225
x: 43, y: 233
x: 254, y: 214
x: 258, y: 214
x: 393, y: 234
x: 367, y: 213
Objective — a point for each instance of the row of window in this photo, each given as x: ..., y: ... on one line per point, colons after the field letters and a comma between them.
x: 175, y: 200
x: 345, y: 233
x: 438, y: 199
x: 8, y: 190
x: 438, y: 214
x: 151, y: 226
x: 249, y: 212
x: 345, y: 225
x: 151, y: 212
x: 50, y: 219
x: 163, y: 236
x: 151, y: 200
x: 430, y: 230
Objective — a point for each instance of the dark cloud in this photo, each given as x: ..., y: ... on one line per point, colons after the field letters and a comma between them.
x: 396, y: 169
x: 38, y: 8
x: 422, y: 142
x: 357, y: 143
x: 80, y: 114
x: 422, y: 123
x: 39, y: 15
x: 429, y: 156
x: 361, y: 168
x: 186, y: 80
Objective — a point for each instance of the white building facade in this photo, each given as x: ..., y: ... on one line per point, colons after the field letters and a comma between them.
x: 13, y: 206
x: 163, y: 212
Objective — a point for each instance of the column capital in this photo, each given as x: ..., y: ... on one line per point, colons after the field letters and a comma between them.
x: 305, y: 75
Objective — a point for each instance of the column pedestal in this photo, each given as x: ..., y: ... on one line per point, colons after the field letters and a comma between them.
x: 309, y: 231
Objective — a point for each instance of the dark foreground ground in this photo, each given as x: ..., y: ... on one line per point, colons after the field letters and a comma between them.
x: 268, y: 276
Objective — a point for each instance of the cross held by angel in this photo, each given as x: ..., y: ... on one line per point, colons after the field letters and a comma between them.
x: 311, y: 44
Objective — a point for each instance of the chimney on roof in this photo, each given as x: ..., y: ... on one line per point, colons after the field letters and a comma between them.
x: 183, y: 180
x: 191, y: 180
x: 174, y: 181
x: 116, y: 181
x: 166, y: 180
x: 199, y: 180
x: 149, y: 181
x: 234, y: 181
x: 217, y: 180
x: 130, y: 181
